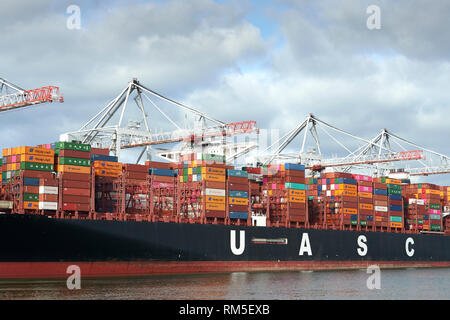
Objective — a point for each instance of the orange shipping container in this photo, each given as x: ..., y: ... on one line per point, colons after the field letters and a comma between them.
x: 37, y: 159
x: 31, y: 205
x: 75, y: 169
x: 35, y: 151
x: 215, y: 206
x: 238, y: 201
x: 213, y: 177
x: 365, y: 194
x: 108, y: 165
x: 215, y: 199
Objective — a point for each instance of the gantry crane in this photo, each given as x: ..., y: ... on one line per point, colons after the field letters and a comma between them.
x: 102, y: 129
x: 14, y: 97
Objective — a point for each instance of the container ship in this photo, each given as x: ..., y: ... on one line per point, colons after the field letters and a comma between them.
x: 69, y: 203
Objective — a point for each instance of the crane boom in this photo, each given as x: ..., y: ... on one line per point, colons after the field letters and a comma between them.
x: 23, y: 98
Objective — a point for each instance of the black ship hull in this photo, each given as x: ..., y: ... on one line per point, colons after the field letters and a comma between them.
x: 37, y: 246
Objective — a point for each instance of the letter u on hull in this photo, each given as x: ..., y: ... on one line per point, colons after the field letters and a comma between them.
x: 240, y: 250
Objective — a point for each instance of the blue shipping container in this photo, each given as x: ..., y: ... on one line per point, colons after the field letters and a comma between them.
x: 395, y: 196
x: 293, y: 166
x: 349, y: 181
x: 237, y: 173
x: 395, y: 208
x: 31, y: 181
x: 238, y: 194
x: 162, y: 172
x: 99, y: 157
x: 380, y: 192
x: 238, y: 215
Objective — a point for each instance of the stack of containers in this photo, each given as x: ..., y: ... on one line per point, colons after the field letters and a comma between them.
x: 238, y: 194
x: 380, y: 202
x: 365, y: 200
x: 207, y: 172
x: 394, y: 189
x: 296, y: 192
x: 34, y: 163
x: 106, y: 169
x: 415, y: 211
x: 340, y: 192
x: 74, y: 168
x: 162, y: 178
x: 136, y: 176
x: 48, y: 194
x: 255, y: 180
x: 430, y: 193
x: 274, y: 189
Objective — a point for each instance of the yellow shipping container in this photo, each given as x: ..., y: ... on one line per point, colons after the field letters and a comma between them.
x: 297, y: 199
x: 213, y: 171
x: 213, y: 177
x: 215, y: 199
x: 215, y: 206
x: 298, y: 193
x: 396, y: 224
x: 366, y: 206
x: 393, y: 181
x: 349, y: 193
x: 429, y: 191
x: 349, y: 211
x: 73, y: 169
x: 239, y: 201
x: 31, y: 205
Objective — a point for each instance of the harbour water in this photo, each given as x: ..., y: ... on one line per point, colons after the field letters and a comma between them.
x: 422, y: 284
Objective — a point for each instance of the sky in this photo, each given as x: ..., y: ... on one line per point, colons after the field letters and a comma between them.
x: 270, y: 61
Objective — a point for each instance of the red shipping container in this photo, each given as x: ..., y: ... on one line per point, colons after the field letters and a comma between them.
x: 48, y: 197
x: 76, y: 199
x: 76, y: 176
x: 214, y: 184
x: 158, y: 165
x: 237, y: 207
x: 37, y: 174
x: 378, y: 185
x: 239, y: 180
x: 30, y: 189
x: 76, y: 206
x: 237, y: 187
x: 100, y: 151
x: 48, y: 182
x: 136, y: 175
x: 364, y: 183
x: 162, y: 179
x: 297, y: 205
x: 76, y: 192
x: 77, y: 184
x: 215, y: 214
x: 295, y: 173
x: 135, y: 167
x: 74, y: 154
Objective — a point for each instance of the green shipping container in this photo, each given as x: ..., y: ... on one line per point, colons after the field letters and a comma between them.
x: 185, y: 178
x: 435, y: 227
x: 396, y: 219
x: 354, y: 222
x: 420, y: 221
x: 291, y: 185
x: 363, y: 222
x: 394, y: 186
x: 72, y: 146
x: 36, y: 166
x: 213, y: 157
x: 185, y: 171
x: 30, y: 197
x: 393, y: 191
x: 435, y: 206
x: 75, y: 161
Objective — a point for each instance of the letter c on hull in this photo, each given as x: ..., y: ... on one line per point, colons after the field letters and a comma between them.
x: 409, y: 251
x: 240, y: 250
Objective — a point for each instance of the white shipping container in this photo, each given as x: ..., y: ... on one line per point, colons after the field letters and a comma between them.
x: 48, y: 205
x: 418, y: 201
x: 48, y: 190
x: 215, y: 192
x: 380, y: 208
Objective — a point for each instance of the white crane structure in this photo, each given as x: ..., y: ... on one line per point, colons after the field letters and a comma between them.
x: 377, y: 154
x: 108, y: 128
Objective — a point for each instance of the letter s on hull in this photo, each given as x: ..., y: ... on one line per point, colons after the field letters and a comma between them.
x: 240, y: 250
